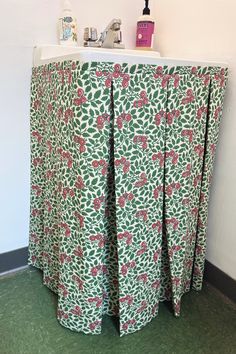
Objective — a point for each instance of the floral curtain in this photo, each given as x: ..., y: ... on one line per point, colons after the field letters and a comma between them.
x: 122, y: 160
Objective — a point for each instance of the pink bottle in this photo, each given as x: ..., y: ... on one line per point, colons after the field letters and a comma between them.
x: 145, y: 30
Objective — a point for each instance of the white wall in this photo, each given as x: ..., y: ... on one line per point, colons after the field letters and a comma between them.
x: 206, y: 29
x: 203, y: 29
x: 23, y: 24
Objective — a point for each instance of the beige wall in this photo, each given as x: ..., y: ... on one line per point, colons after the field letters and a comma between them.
x: 206, y: 29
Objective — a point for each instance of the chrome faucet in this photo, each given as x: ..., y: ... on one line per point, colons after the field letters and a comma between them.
x: 111, y: 37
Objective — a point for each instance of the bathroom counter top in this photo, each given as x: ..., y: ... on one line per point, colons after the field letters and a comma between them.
x: 55, y: 53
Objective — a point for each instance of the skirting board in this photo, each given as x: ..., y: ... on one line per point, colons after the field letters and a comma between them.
x: 13, y: 259
x: 221, y: 281
x: 213, y: 275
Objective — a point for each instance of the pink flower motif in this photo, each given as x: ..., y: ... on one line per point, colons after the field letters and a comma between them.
x: 80, y: 218
x: 98, y: 73
x: 77, y: 101
x: 156, y: 284
x: 142, y: 277
x: 159, y: 72
x: 176, y: 81
x: 202, y: 197
x: 49, y: 146
x: 94, y: 325
x: 37, y: 190
x: 213, y: 149
x: 99, y: 237
x: 126, y: 325
x: 108, y: 83
x: 156, y: 255
x: 78, y: 252
x: 82, y: 99
x: 124, y: 270
x: 68, y: 114
x: 197, y: 180
x: 142, y: 101
x: 157, y: 225
x: 206, y: 80
x: 34, y: 238
x: 125, y: 84
x: 176, y: 281
x: 187, y: 173
x: 48, y: 206
x: 143, y: 248
x: 80, y: 92
x: 123, y: 118
x: 142, y: 181
x: 37, y: 104
x: 188, y: 133
x: 142, y: 214
x: 199, y: 250
x: 142, y: 307
x: 35, y: 212
x: 159, y: 156
x: 78, y: 282
x: 127, y: 117
x: 165, y: 81
x: 217, y: 113
x: 100, y: 122
x: 96, y: 300
x: 126, y: 235
x: 79, y: 184
x: 94, y: 271
x: 61, y: 314
x: 199, y: 149
x: 127, y: 299
x: 95, y: 164
x: 126, y: 167
x: 77, y: 311
x: 97, y: 204
x: 117, y: 68
x: 38, y: 136
x: 67, y: 230
x: 189, y: 97
x: 121, y: 202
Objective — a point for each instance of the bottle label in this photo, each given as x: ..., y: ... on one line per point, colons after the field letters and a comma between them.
x: 68, y: 29
x: 145, y: 31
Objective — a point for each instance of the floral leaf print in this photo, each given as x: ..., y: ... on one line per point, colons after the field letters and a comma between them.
x: 121, y: 165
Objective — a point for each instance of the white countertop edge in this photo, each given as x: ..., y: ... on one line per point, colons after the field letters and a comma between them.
x: 41, y: 59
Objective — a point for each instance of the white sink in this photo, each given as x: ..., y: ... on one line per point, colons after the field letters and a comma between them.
x: 55, y: 53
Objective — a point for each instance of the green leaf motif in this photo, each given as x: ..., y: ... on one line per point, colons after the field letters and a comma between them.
x: 97, y: 94
x: 132, y: 69
x: 85, y: 66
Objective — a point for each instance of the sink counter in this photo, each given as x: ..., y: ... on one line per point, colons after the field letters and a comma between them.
x: 55, y: 53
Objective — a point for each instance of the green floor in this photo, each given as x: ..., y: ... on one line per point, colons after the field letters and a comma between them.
x: 28, y: 324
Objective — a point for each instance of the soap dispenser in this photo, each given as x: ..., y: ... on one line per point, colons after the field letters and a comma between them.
x: 145, y: 30
x: 67, y: 26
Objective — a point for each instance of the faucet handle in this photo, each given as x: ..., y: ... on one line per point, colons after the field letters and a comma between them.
x: 90, y: 34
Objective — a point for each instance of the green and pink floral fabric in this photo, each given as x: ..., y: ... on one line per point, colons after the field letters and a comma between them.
x: 122, y: 160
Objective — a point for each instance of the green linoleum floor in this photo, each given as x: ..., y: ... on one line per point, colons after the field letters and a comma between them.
x: 28, y: 324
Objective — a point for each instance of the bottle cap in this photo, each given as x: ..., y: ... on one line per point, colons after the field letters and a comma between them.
x: 146, y: 10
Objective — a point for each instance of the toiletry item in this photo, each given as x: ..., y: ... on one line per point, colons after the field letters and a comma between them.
x: 68, y: 26
x: 145, y: 30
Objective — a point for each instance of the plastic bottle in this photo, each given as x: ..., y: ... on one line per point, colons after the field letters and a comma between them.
x: 67, y: 26
x: 145, y: 30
